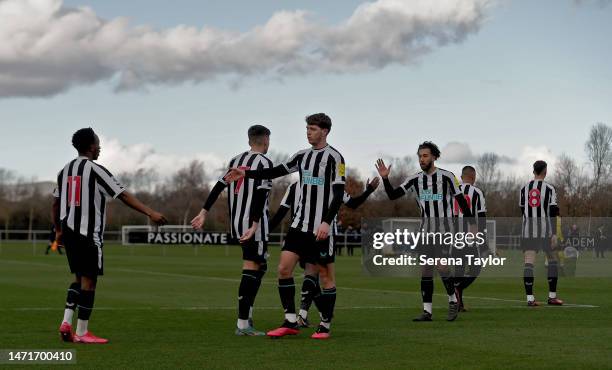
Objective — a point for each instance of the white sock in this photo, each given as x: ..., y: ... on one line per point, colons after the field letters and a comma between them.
x: 326, y: 325
x: 242, y: 324
x: 552, y: 294
x: 303, y: 313
x: 452, y: 298
x: 251, y: 312
x: 291, y: 317
x: 530, y: 298
x: 68, y: 313
x: 427, y: 307
x: 81, y: 327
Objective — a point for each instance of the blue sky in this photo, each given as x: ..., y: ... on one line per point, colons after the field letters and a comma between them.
x: 529, y: 83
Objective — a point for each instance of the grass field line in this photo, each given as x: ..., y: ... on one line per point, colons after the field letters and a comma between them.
x: 215, y: 278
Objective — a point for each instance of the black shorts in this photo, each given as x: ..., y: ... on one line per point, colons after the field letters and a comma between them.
x: 308, y: 248
x: 256, y: 251
x: 536, y: 244
x: 85, y: 258
x: 433, y: 250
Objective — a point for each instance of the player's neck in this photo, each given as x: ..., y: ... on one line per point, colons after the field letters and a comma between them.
x: 257, y: 149
x: 86, y: 155
x: 539, y: 178
x: 320, y: 145
x: 431, y: 169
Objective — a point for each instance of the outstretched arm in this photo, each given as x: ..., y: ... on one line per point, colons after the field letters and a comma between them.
x: 355, y: 202
x: 199, y: 220
x: 133, y: 202
x: 263, y: 174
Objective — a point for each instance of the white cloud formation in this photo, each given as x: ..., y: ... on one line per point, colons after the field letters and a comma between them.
x: 460, y: 153
x: 522, y: 166
x: 118, y: 158
x: 46, y: 48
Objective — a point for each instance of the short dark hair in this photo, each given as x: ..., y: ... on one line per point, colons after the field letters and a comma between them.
x: 467, y: 169
x: 539, y: 167
x: 319, y: 119
x: 256, y: 134
x: 435, y: 151
x: 83, y: 139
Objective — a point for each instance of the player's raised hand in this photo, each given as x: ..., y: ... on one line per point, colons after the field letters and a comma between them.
x: 373, y: 184
x: 249, y: 233
x: 233, y: 174
x: 382, y: 169
x: 157, y: 218
x: 322, y: 231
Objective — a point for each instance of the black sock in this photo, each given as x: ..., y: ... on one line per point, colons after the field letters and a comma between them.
x: 86, y: 303
x: 528, y: 278
x: 246, y: 293
x: 469, y: 278
x: 553, y: 275
x: 427, y: 288
x: 260, y: 274
x: 72, y: 297
x: 459, y: 272
x: 310, y: 289
x: 326, y: 301
x: 286, y: 290
x: 449, y: 283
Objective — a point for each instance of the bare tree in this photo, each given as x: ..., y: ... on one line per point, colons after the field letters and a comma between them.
x: 567, y: 174
x: 143, y: 180
x: 599, y: 151
x: 488, y: 171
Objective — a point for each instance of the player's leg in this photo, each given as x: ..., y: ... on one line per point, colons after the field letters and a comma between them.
x: 427, y: 288
x: 286, y: 291
x: 528, y: 273
x: 326, y: 300
x: 253, y: 257
x: 449, y: 286
x: 72, y: 300
x: 90, y: 267
x: 467, y: 275
x: 310, y: 289
x: 74, y: 290
x: 553, y: 275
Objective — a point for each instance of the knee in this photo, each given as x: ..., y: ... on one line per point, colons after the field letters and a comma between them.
x: 284, y: 271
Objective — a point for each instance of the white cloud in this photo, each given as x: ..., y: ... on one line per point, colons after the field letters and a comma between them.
x: 460, y: 153
x: 455, y: 152
x: 523, y: 165
x: 46, y: 48
x: 119, y: 158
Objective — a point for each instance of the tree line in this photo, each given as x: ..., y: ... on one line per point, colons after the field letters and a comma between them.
x: 583, y: 190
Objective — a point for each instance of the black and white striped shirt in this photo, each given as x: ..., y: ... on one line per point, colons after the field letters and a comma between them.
x: 82, y: 188
x: 536, y: 200
x: 242, y: 192
x: 475, y: 199
x: 320, y: 170
x: 292, y: 198
x: 476, y: 202
x: 434, y: 193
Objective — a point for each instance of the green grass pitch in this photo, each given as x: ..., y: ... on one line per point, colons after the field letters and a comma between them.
x: 170, y: 307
